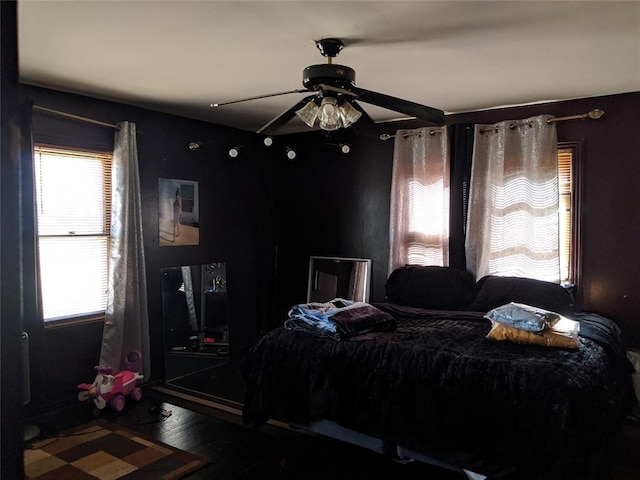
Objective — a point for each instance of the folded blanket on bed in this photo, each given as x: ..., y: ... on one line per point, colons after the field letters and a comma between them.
x: 338, y: 319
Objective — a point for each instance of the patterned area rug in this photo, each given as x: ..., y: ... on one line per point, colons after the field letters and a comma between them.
x: 105, y: 451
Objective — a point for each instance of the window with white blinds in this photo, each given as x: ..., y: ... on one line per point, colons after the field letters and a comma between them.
x: 73, y: 198
x: 566, y: 185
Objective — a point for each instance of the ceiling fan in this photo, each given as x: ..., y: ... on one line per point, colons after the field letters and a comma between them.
x: 334, y: 102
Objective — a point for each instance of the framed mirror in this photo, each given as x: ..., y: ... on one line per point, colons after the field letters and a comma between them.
x: 194, y: 307
x: 338, y: 277
x: 196, y: 332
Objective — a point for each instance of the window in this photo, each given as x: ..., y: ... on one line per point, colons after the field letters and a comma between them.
x: 428, y: 223
x: 73, y: 201
x: 567, y: 165
x: 420, y: 185
x: 425, y: 222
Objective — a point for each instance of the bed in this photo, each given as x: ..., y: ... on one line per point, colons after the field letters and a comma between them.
x: 436, y: 389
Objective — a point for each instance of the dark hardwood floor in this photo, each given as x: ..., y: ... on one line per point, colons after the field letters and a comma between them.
x: 215, y: 430
x: 211, y: 376
x: 236, y: 452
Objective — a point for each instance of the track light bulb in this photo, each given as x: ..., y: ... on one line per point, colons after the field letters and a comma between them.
x: 268, y: 141
x: 345, y: 148
x: 234, y: 152
x: 291, y: 154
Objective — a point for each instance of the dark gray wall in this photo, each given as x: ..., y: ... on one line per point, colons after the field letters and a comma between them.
x: 265, y: 215
x: 235, y: 222
x: 329, y: 204
x: 11, y: 373
x: 610, y: 200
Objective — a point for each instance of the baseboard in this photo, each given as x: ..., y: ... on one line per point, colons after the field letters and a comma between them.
x: 227, y: 406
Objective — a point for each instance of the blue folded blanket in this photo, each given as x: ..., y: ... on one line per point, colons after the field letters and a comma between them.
x: 338, y: 319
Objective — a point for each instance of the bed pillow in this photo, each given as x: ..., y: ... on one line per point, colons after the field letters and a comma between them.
x: 492, y: 291
x: 523, y: 317
x: 436, y: 288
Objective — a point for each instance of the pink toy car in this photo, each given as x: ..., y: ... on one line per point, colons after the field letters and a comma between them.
x: 112, y: 389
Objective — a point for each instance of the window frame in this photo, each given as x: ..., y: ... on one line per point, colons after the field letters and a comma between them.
x: 106, y: 157
x: 575, y: 243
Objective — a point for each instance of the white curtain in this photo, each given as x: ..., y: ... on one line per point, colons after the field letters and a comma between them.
x: 513, y: 227
x: 126, y: 325
x: 357, y: 282
x: 419, y: 216
x: 187, y: 284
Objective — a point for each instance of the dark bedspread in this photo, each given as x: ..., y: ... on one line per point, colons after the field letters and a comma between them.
x: 437, y: 381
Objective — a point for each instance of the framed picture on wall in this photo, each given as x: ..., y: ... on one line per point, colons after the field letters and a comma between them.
x: 178, y: 212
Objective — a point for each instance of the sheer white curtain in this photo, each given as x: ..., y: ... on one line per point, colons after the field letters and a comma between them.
x: 419, y: 217
x: 357, y: 283
x: 126, y: 325
x: 512, y: 227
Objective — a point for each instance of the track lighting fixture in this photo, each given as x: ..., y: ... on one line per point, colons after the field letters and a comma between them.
x: 195, y: 145
x: 291, y: 154
x: 344, y: 148
x: 234, y: 151
x: 268, y: 141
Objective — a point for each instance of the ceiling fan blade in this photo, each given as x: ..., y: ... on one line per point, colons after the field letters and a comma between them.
x: 331, y: 88
x: 429, y: 114
x: 284, y: 117
x: 259, y: 97
x: 365, y: 123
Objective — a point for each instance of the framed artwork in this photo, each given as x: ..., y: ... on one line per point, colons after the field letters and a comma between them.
x: 178, y: 212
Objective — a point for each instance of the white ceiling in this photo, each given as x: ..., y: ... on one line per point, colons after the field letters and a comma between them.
x: 181, y: 56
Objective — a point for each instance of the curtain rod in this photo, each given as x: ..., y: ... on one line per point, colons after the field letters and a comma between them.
x: 386, y: 136
x: 76, y: 117
x: 593, y: 114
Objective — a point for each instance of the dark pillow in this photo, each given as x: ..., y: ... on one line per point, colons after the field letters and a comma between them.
x: 436, y: 288
x: 493, y: 291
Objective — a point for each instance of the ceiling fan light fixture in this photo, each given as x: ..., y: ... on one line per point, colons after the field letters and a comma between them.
x: 329, y: 114
x: 334, y: 92
x: 308, y: 113
x: 348, y: 114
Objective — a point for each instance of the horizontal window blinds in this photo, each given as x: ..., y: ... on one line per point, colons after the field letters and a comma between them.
x: 565, y: 179
x: 73, y: 201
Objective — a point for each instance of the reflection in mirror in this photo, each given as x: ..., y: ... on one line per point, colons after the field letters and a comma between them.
x: 196, y: 329
x: 194, y: 307
x: 337, y: 277
x: 214, y: 304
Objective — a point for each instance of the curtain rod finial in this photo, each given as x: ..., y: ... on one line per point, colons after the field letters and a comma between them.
x: 595, y: 113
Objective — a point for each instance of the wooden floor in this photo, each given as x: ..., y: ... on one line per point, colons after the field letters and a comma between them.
x: 236, y: 452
